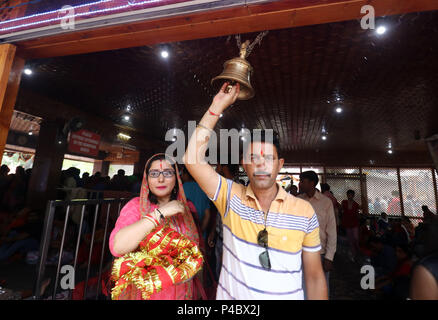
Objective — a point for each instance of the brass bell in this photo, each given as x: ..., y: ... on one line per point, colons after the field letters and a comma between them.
x: 238, y: 70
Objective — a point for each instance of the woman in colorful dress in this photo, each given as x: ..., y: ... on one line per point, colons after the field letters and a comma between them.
x: 156, y: 239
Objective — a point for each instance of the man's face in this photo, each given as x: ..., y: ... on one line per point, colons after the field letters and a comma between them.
x: 306, y: 185
x: 262, y: 165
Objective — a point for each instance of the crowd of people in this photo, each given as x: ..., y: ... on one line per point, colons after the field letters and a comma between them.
x: 392, y: 245
x: 71, y: 178
x: 21, y: 225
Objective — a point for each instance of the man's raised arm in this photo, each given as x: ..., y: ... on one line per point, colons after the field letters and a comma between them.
x: 194, y: 158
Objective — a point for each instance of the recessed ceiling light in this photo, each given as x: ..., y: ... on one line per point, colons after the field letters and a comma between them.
x: 27, y: 71
x: 390, y: 151
x: 128, y: 108
x: 30, y: 133
x: 164, y: 54
x: 123, y: 136
x: 126, y: 118
x: 338, y: 109
x: 338, y: 99
x: 381, y: 30
x: 324, y: 137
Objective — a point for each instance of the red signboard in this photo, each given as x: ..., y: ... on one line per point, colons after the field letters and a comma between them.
x: 84, y: 142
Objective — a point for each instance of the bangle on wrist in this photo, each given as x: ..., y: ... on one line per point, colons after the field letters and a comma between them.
x: 204, y: 127
x: 150, y: 219
x: 156, y: 220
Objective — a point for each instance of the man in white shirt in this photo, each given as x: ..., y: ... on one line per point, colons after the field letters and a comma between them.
x: 323, y: 207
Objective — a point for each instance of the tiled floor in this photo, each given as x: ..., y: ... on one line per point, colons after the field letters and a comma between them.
x: 345, y: 278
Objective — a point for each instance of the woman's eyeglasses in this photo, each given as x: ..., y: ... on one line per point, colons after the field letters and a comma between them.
x: 166, y: 173
x: 262, y: 240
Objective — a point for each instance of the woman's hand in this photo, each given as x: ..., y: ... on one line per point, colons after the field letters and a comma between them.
x: 223, y: 100
x: 172, y: 208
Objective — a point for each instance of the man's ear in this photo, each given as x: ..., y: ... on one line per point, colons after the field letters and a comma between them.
x: 243, y: 164
x: 280, y: 164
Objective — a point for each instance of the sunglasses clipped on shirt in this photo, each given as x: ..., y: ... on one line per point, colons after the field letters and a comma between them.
x: 262, y: 240
x: 166, y: 173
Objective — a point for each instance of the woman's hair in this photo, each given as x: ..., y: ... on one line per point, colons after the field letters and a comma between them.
x: 174, y: 194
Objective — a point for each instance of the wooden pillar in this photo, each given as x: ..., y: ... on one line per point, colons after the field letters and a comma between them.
x: 11, y: 67
x: 47, y: 166
x: 102, y: 167
x: 144, y: 156
x: 435, y: 189
x: 363, y: 192
x: 402, y: 207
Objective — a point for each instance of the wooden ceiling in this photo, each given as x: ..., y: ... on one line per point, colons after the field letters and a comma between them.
x: 386, y: 84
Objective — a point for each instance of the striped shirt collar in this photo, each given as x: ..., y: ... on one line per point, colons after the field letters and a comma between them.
x: 281, y: 194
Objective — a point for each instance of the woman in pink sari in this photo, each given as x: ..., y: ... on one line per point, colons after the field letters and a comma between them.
x: 161, y: 202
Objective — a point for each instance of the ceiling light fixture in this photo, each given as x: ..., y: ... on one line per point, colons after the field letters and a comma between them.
x: 123, y: 137
x: 28, y: 71
x: 324, y: 137
x: 338, y: 109
x: 381, y: 30
x: 164, y: 54
x: 126, y: 117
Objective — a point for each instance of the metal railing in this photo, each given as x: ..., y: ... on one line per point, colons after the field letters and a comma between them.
x: 98, y: 207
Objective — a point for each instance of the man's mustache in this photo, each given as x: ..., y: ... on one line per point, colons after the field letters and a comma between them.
x: 261, y: 173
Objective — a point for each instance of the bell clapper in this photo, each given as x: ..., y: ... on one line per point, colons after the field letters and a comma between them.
x: 230, y: 86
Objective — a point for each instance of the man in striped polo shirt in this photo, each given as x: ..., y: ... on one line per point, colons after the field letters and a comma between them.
x: 269, y: 236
